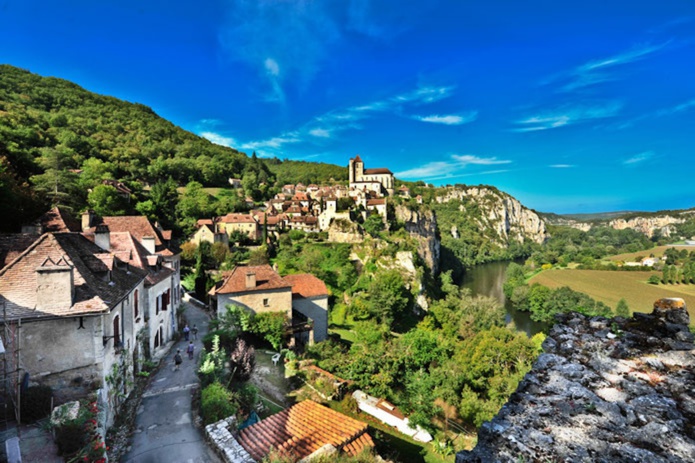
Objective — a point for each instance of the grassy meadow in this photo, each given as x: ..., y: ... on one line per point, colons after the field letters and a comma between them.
x: 610, y: 286
x: 658, y: 251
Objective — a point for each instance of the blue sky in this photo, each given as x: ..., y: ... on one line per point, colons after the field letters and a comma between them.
x: 569, y: 106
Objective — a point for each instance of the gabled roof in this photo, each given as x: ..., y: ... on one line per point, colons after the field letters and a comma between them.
x: 235, y: 281
x: 378, y: 170
x: 306, y: 285
x: 138, y: 226
x: 58, y: 221
x: 376, y: 202
x: 237, y: 218
x: 302, y: 429
x: 129, y: 250
x: 94, y: 292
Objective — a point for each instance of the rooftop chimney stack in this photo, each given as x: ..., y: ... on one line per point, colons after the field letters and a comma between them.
x: 149, y: 244
x: 87, y: 219
x: 102, y: 237
x: 55, y: 285
x: 250, y: 280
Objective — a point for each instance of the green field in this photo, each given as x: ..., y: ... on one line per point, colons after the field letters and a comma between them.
x: 610, y: 286
x: 658, y: 251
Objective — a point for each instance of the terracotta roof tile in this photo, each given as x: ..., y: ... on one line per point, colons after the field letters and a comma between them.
x: 94, y: 292
x: 306, y: 285
x: 376, y: 171
x: 138, y: 226
x: 302, y: 429
x: 235, y: 281
x: 237, y: 218
x: 58, y: 221
x: 376, y: 202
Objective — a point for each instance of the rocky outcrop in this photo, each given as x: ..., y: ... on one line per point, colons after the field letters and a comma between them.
x: 605, y: 390
x: 648, y: 225
x: 344, y: 231
x: 505, y: 214
x: 422, y: 225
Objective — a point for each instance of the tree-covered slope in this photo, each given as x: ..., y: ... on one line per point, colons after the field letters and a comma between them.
x: 39, y: 113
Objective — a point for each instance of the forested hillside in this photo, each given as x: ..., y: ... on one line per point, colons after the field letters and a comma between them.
x: 58, y: 141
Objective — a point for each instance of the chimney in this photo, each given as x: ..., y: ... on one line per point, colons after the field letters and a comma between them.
x: 250, y: 280
x: 149, y: 243
x: 87, y: 219
x: 55, y: 288
x: 102, y: 237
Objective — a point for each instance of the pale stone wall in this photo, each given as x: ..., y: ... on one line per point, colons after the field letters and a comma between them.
x: 165, y: 318
x: 275, y: 300
x: 58, y: 354
x: 315, y: 308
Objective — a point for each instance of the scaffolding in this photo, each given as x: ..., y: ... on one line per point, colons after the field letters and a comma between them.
x: 10, y: 388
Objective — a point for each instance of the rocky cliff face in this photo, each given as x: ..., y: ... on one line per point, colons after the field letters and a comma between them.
x: 605, y: 390
x: 648, y: 225
x: 502, y: 213
x: 422, y: 225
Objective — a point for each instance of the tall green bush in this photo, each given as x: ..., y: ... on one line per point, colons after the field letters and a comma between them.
x: 217, y: 403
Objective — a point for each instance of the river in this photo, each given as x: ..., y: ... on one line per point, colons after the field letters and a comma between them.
x: 487, y: 280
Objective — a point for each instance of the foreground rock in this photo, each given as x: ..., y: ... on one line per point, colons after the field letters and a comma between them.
x: 620, y: 390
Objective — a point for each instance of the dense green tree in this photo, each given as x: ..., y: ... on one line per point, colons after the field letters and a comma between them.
x: 105, y: 200
x: 622, y: 310
x: 374, y: 224
x: 57, y: 182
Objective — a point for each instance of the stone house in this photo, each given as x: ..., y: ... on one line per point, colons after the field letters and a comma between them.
x: 136, y: 241
x: 303, y: 298
x: 206, y: 233
x: 75, y: 309
x: 244, y: 223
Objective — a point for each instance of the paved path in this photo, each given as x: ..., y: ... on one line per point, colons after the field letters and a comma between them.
x: 164, y: 428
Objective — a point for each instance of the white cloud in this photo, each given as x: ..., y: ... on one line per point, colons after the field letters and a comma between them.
x: 601, y: 70
x: 449, y: 169
x: 272, y: 67
x: 562, y: 166
x: 639, y: 158
x: 272, y: 143
x: 567, y: 115
x: 218, y: 139
x: 466, y: 159
x: 449, y: 119
x: 320, y: 133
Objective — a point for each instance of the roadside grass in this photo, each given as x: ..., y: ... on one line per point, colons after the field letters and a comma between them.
x: 611, y: 286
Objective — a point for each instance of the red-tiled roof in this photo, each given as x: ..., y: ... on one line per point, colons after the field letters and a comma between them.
x: 376, y: 202
x: 94, y: 293
x: 58, y: 221
x: 358, y: 158
x: 235, y: 281
x: 378, y: 170
x: 237, y: 218
x: 302, y: 429
x: 306, y: 285
x: 129, y: 250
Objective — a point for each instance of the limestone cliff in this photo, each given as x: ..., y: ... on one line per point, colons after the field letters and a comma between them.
x: 496, y: 210
x: 648, y: 225
x: 605, y: 390
x: 422, y: 225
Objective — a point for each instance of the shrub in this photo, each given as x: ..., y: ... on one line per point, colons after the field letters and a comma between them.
x: 36, y: 403
x: 654, y: 280
x: 217, y: 403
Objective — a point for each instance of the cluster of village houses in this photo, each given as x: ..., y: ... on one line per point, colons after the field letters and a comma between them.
x: 309, y: 208
x: 84, y: 304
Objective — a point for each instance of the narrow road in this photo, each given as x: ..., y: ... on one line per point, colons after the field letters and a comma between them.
x: 164, y: 428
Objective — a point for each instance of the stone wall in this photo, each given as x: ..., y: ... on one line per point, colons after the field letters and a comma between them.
x: 613, y: 390
x: 224, y: 443
x: 278, y: 300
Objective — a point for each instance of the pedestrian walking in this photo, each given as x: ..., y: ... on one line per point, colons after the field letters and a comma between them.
x: 177, y: 360
x: 186, y: 332
x: 190, y: 349
x: 195, y: 332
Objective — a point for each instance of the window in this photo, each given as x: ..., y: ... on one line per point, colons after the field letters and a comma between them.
x: 136, y: 313
x: 116, y: 331
x: 156, y: 310
x: 265, y: 303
